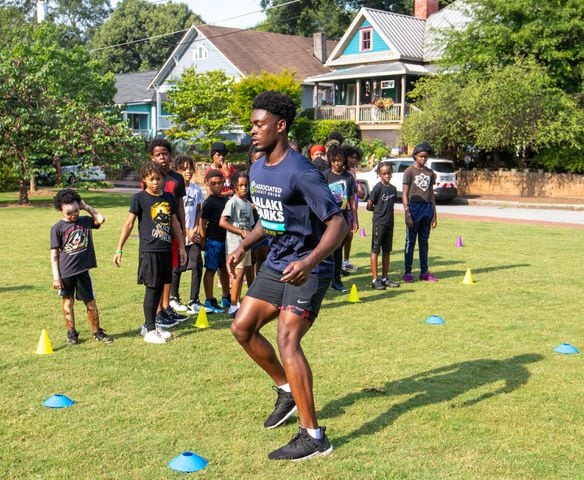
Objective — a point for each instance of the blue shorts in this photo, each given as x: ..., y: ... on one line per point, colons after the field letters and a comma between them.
x: 214, y: 255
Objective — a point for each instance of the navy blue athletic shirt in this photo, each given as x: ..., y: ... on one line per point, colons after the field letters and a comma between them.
x: 293, y: 201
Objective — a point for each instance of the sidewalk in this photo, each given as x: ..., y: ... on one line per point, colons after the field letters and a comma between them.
x: 551, y: 203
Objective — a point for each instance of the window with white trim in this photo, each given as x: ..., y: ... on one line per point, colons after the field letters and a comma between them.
x: 366, y: 37
x: 200, y: 52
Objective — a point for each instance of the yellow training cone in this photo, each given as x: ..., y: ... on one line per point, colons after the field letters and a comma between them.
x: 44, y: 347
x: 468, y: 279
x: 202, y: 321
x: 354, y: 295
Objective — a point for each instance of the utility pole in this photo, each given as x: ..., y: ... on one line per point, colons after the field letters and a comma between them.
x: 41, y: 10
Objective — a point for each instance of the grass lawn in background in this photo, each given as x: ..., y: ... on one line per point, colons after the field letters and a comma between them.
x: 482, y: 397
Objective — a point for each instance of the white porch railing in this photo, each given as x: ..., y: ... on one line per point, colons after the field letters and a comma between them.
x: 362, y: 114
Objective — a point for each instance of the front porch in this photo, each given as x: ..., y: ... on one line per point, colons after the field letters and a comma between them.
x: 365, y: 114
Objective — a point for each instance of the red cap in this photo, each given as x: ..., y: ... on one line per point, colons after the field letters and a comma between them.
x: 317, y: 148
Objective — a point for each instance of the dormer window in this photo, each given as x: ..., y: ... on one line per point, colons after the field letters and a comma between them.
x: 200, y: 52
x: 366, y: 43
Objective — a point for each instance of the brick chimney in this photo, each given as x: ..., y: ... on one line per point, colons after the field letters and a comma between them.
x: 424, y: 8
x: 319, y: 46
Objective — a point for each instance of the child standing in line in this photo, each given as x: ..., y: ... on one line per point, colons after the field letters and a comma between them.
x: 218, y: 162
x: 72, y: 256
x: 342, y: 185
x: 213, y: 241
x: 354, y: 155
x: 420, y: 212
x: 237, y: 218
x: 157, y: 225
x: 381, y: 202
x: 193, y: 200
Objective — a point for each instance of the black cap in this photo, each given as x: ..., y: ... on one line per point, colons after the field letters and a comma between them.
x: 218, y: 147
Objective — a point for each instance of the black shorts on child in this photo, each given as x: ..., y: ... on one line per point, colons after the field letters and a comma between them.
x: 79, y: 285
x: 382, y: 238
x: 155, y: 269
x: 303, y: 300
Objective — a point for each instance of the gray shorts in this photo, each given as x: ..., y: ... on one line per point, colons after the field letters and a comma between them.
x: 303, y: 300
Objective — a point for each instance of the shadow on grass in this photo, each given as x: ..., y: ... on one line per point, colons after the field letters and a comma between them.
x: 216, y: 322
x: 435, y: 386
x: 15, y: 288
x: 475, y: 271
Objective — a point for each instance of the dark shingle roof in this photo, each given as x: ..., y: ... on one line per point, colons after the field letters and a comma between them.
x: 252, y: 51
x: 132, y: 87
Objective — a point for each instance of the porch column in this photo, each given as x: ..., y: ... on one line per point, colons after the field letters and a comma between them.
x: 158, y: 106
x: 315, y: 99
x: 403, y: 98
x: 358, y: 102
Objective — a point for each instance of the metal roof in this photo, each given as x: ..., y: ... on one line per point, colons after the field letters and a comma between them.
x: 455, y: 16
x: 375, y: 70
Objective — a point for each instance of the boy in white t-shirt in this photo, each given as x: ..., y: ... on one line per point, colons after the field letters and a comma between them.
x: 237, y: 218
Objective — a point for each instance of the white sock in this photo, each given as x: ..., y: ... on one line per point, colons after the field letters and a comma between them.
x: 315, y: 433
x: 285, y: 387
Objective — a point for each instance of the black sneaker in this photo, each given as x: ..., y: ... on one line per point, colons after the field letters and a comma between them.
x: 164, y: 321
x: 378, y: 284
x: 72, y: 337
x: 178, y: 317
x: 389, y: 283
x: 283, y: 409
x: 303, y: 447
x: 101, y: 336
x: 338, y: 286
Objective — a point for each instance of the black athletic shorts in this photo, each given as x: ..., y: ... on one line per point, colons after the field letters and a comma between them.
x: 155, y: 269
x: 79, y: 286
x: 382, y: 238
x: 303, y: 300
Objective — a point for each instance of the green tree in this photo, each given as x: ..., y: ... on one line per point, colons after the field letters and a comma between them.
x: 52, y: 94
x: 329, y: 16
x: 515, y: 109
x: 201, y: 104
x: 504, y: 30
x: 247, y: 89
x: 135, y: 20
x: 80, y: 17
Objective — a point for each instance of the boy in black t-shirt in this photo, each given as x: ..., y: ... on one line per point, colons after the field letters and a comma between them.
x: 157, y: 226
x: 213, y: 241
x: 72, y: 256
x: 381, y: 202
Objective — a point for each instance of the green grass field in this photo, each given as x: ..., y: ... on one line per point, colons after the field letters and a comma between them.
x: 482, y: 397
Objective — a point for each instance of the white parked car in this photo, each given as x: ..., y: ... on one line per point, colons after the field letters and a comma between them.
x: 445, y: 185
x: 74, y: 173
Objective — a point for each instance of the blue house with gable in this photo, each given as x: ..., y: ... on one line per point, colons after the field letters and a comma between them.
x: 376, y: 63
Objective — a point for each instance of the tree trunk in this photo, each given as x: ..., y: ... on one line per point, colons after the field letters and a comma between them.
x: 33, y: 184
x: 22, y: 186
x: 58, y: 164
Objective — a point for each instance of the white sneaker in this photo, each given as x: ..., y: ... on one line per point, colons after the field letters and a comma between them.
x: 163, y: 333
x: 177, y: 306
x: 194, y: 308
x: 154, y: 336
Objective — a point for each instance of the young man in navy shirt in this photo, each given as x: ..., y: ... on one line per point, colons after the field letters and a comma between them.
x: 304, y: 224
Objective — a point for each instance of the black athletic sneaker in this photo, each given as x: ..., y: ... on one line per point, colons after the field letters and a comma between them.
x: 179, y: 317
x: 303, y: 447
x: 72, y: 337
x: 338, y: 286
x: 101, y: 336
x: 389, y: 283
x: 283, y: 409
x: 377, y: 284
x: 164, y: 321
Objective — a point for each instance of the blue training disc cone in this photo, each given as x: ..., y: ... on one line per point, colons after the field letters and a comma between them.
x: 566, y: 348
x: 58, y: 401
x: 435, y: 320
x: 187, y: 462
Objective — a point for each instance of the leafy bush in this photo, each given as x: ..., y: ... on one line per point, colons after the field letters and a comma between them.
x: 375, y: 147
x: 302, y: 130
x: 349, y: 129
x: 8, y: 178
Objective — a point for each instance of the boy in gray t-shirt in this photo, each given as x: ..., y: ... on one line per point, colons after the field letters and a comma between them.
x: 237, y: 218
